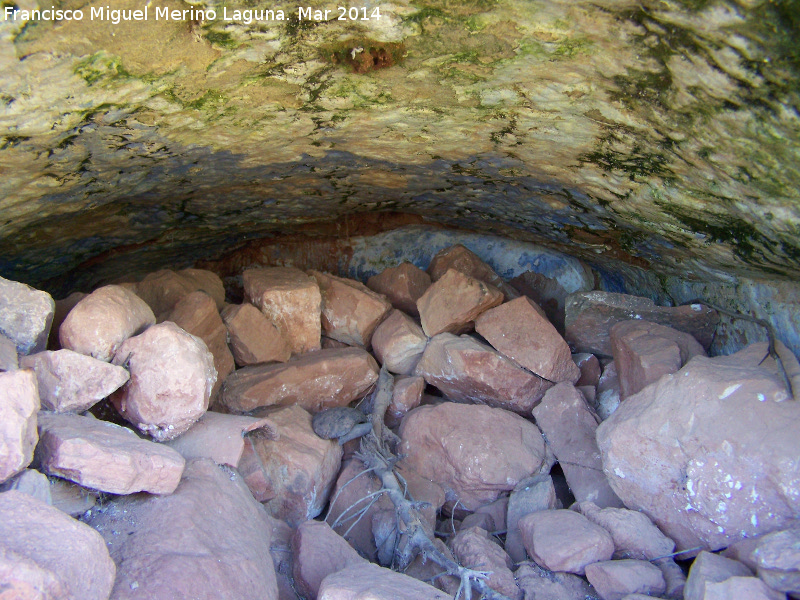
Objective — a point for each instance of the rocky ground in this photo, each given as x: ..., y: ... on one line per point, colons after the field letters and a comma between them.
x: 428, y: 434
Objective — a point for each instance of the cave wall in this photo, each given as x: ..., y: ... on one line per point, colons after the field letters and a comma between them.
x: 657, y: 141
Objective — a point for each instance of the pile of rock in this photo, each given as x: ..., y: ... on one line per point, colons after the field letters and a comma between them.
x: 181, y: 431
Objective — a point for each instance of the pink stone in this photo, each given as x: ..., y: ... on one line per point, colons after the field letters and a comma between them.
x: 163, y: 289
x: 633, y: 533
x: 402, y: 285
x: 18, y: 407
x: 253, y: 338
x: 615, y: 579
x: 467, y: 262
x: 453, y: 303
x: 541, y: 584
x: 365, y: 581
x: 589, y: 367
x: 318, y: 552
x: 530, y: 495
x: 475, y: 550
x: 778, y: 559
x: 711, y: 568
x: 26, y: 315
x: 407, y: 395
x: 62, y: 309
x: 398, y: 343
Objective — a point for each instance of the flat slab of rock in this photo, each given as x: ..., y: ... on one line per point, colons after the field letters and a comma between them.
x: 72, y: 382
x: 465, y: 261
x: 452, y: 303
x: 47, y: 554
x: 615, y: 579
x: 475, y: 550
x: 253, y: 338
x: 163, y: 289
x: 172, y: 375
x: 99, y: 323
x: 569, y: 427
x: 350, y: 310
x: 19, y: 403
x: 291, y: 300
x: 25, y: 315
x: 403, y: 285
x: 104, y: 456
x: 324, y: 379
x: 468, y: 371
x: 293, y: 473
x: 590, y: 316
x: 519, y: 331
x: 563, y: 540
x: 398, y: 343
x: 319, y: 551
x: 366, y: 581
x: 474, y: 452
x: 207, y: 540
x: 692, y: 425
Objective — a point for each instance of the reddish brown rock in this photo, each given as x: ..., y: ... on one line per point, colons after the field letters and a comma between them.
x: 293, y: 473
x: 350, y: 310
x: 644, y: 352
x: 365, y: 581
x: 253, y: 338
x: 429, y: 572
x: 197, y: 313
x: 220, y: 437
x: 563, y: 540
x: 19, y: 403
x: 474, y: 452
x: 468, y: 371
x: 315, y: 381
x: 398, y: 343
x: 291, y: 300
x: 547, y: 293
x: 711, y: 568
x: 590, y: 316
x: 105, y: 457
x: 467, y: 262
x: 319, y: 551
x: 73, y: 382
x: 453, y: 303
x: 590, y: 369
x: 26, y: 315
x: 172, y: 375
x: 692, y: 425
x: 209, y: 539
x: 777, y: 557
x: 9, y: 361
x: 633, y: 533
x: 741, y: 588
x: 569, y: 426
x: 162, y: 290
x: 403, y: 285
x: 282, y: 559
x: 407, y: 395
x: 518, y: 330
x: 62, y: 309
x: 71, y: 498
x: 475, y: 550
x: 531, y: 494
x: 541, y: 584
x: 615, y: 579
x: 31, y: 482
x: 47, y: 554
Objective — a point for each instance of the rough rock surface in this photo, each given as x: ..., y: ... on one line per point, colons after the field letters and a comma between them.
x: 530, y: 495
x: 721, y: 477
x: 633, y: 533
x: 541, y: 584
x: 253, y: 338
x: 590, y: 316
x: 365, y: 581
x: 47, y: 554
x: 644, y: 352
x: 25, y: 315
x: 100, y: 322
x: 162, y: 290
x: 474, y: 549
x: 62, y: 309
x: 402, y: 285
x: 331, y: 377
x: 31, y: 482
x: 607, y: 398
x: 468, y: 371
x: 319, y: 551
x: 172, y: 375
x: 293, y: 473
x: 711, y: 568
x: 19, y: 403
x: 518, y: 330
x: 291, y: 300
x: 9, y: 360
x: 474, y: 452
x: 72, y: 382
x: 467, y: 262
x: 777, y: 558
x: 569, y: 427
x: 744, y: 588
x: 398, y: 343
x: 452, y: 303
x: 590, y: 369
x: 209, y: 540
x: 546, y: 292
x: 407, y: 395
x: 350, y: 310
x: 615, y: 579
x: 104, y: 456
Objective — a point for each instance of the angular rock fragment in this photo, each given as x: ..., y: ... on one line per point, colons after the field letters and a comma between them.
x: 407, y: 395
x: 403, y: 285
x: 105, y: 457
x: 100, y: 322
x: 741, y: 588
x: 319, y: 551
x: 207, y: 540
x: 615, y: 579
x: 518, y: 330
x: 62, y: 309
x: 25, y: 315
x: 366, y: 581
x: 253, y: 338
x: 317, y: 380
x: 531, y: 494
x: 72, y: 382
x: 31, y: 482
x: 163, y: 289
x: 607, y: 398
x: 633, y: 533
x: 569, y: 427
x: 467, y: 262
x: 545, y: 292
x: 589, y: 367
x: 291, y: 300
x: 172, y: 375
x: 9, y: 361
x: 453, y: 303
x: 19, y: 403
x: 47, y: 554
x: 71, y: 498
x: 467, y: 371
x: 398, y: 343
x: 777, y: 558
x: 475, y: 550
x: 474, y: 452
x: 541, y: 584
x: 711, y: 568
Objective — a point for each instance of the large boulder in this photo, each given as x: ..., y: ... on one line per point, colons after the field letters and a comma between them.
x: 19, y: 403
x: 402, y: 285
x: 717, y: 430
x: 172, y: 375
x: 25, y: 315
